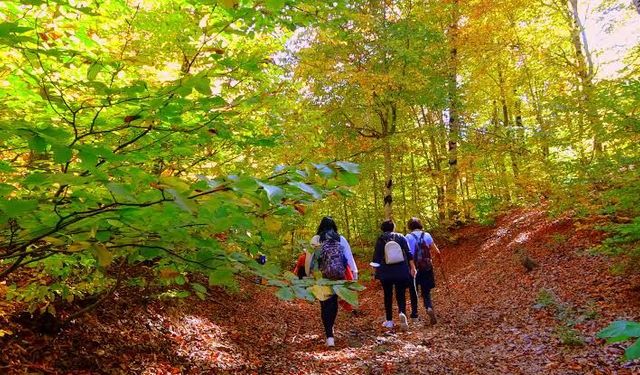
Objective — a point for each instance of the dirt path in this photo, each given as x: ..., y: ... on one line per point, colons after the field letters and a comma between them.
x: 491, y: 320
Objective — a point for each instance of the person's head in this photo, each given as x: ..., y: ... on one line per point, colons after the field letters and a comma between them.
x: 388, y: 226
x: 414, y: 223
x: 327, y: 229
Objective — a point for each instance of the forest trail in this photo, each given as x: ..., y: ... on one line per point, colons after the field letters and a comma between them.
x: 492, y: 319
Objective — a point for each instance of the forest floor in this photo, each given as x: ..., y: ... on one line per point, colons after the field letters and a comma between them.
x: 494, y: 318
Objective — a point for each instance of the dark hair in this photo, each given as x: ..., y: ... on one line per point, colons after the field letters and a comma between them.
x: 328, y: 229
x: 414, y: 223
x: 387, y: 226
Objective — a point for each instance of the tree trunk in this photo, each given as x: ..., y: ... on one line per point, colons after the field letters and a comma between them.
x: 454, y: 122
x: 585, y: 72
x: 388, y: 180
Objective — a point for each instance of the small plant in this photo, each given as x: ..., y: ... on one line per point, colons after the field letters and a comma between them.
x: 568, y: 335
x: 590, y: 311
x: 558, y: 238
x: 545, y: 298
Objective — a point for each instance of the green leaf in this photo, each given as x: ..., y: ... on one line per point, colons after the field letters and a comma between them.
x: 93, y: 70
x: 103, y: 235
x: 199, y: 288
x: 5, y: 166
x: 274, y: 193
x: 348, y: 179
x: 180, y: 280
x: 222, y: 276
x: 275, y: 5
x: 620, y: 328
x: 61, y: 153
x: 150, y: 252
x: 633, y: 352
x: 285, y: 293
x: 348, y: 166
x: 8, y: 28
x: 324, y: 170
x: 182, y: 201
x: 346, y: 294
x: 38, y: 144
x: 307, y: 189
x: 17, y: 207
x: 355, y: 286
x: 303, y: 293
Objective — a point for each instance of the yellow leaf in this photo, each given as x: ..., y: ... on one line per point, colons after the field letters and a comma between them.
x: 104, y: 256
x: 54, y: 241
x: 321, y: 292
x: 228, y: 3
x: 79, y: 246
x: 272, y: 224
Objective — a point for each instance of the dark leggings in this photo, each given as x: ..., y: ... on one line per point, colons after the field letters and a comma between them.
x: 387, y: 287
x: 328, y: 312
x: 422, y: 284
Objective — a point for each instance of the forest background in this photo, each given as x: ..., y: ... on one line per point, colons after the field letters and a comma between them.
x: 146, y: 142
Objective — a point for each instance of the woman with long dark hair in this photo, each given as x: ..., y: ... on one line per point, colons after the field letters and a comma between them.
x: 326, y: 240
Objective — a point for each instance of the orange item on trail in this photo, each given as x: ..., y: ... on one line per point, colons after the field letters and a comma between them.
x: 344, y: 304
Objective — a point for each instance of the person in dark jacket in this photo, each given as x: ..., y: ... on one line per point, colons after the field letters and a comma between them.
x: 396, y: 276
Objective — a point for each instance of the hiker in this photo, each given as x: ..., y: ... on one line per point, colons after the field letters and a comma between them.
x: 422, y: 248
x: 299, y: 269
x: 332, y: 257
x: 394, y: 268
x: 261, y: 259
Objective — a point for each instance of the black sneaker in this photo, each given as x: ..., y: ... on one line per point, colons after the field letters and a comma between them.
x: 414, y: 317
x: 432, y: 316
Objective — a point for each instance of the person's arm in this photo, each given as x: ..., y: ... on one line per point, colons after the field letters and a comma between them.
x: 412, y: 265
x: 349, y: 255
x: 377, y: 252
x: 434, y: 249
x: 432, y: 245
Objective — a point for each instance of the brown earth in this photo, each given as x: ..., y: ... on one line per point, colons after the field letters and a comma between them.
x: 491, y: 319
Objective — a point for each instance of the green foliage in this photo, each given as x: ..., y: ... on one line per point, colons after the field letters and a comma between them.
x: 622, y: 330
x: 623, y: 241
x: 569, y: 335
x: 546, y: 298
x: 149, y: 151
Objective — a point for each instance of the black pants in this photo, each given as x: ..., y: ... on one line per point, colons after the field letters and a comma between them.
x: 424, y: 283
x: 329, y: 312
x: 401, y: 288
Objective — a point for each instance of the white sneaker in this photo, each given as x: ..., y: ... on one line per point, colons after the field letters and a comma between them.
x: 331, y: 341
x: 404, y: 323
x: 388, y: 324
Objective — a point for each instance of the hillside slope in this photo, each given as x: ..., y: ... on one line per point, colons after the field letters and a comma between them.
x: 495, y: 317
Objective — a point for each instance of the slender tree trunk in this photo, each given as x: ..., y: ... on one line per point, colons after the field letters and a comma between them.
x: 346, y: 217
x: 454, y: 121
x: 403, y: 184
x: 414, y: 186
x: 388, y: 179
x: 585, y: 72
